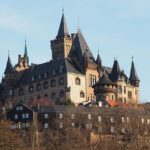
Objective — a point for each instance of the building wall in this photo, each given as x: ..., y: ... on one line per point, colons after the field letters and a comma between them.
x: 89, y: 90
x: 76, y: 89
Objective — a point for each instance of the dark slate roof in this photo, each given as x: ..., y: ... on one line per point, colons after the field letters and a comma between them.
x: 133, y: 73
x: 107, y: 69
x: 80, y: 49
x: 9, y: 67
x: 44, y: 109
x: 104, y: 80
x: 51, y: 68
x: 63, y: 30
x: 115, y: 71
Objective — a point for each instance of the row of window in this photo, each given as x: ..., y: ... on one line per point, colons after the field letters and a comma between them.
x: 24, y: 116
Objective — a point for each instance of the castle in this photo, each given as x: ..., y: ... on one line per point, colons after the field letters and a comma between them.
x: 72, y: 74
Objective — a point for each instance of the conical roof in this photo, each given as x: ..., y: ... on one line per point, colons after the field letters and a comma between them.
x: 104, y: 80
x: 26, y: 52
x: 133, y: 73
x: 9, y: 67
x: 115, y: 71
x: 63, y: 30
x: 98, y: 60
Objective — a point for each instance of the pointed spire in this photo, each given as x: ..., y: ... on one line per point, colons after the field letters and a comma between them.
x: 98, y: 60
x: 9, y: 67
x: 26, y: 52
x: 134, y: 79
x: 115, y: 71
x: 63, y: 30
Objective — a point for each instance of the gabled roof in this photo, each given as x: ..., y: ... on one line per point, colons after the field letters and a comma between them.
x: 115, y: 71
x: 133, y: 73
x: 63, y: 30
x: 9, y: 67
x: 80, y: 49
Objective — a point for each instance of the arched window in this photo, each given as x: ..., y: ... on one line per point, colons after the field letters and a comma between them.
x: 53, y: 95
x: 38, y: 87
x: 82, y: 94
x: 31, y: 89
x: 53, y: 83
x: 62, y: 93
x: 45, y: 85
x: 77, y: 81
x: 61, y: 81
x: 21, y: 92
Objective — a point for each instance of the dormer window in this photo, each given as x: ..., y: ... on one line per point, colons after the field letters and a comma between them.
x: 33, y: 78
x: 39, y: 76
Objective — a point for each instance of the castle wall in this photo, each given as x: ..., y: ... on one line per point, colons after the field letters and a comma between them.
x: 76, y: 89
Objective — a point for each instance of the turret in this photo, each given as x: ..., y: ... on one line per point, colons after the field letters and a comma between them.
x: 116, y: 72
x: 26, y: 57
x: 134, y: 79
x: 99, y: 64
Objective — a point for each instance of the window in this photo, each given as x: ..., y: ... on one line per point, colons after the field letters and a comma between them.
x: 27, y: 125
x: 38, y: 87
x: 123, y: 130
x: 33, y: 78
x: 99, y: 129
x: 92, y: 80
x: 129, y: 94
x: 73, y: 124
x: 46, y: 116
x: 142, y: 120
x: 45, y: 85
x: 125, y: 89
x: 62, y: 93
x: 23, y: 116
x: 21, y: 92
x: 53, y: 96
x: 19, y: 108
x: 89, y: 116
x: 119, y: 89
x: 39, y: 76
x: 128, y: 120
x: 31, y: 88
x: 77, y: 81
x: 60, y: 116
x: 10, y: 92
x: 112, y: 129
x: 45, y: 125
x: 89, y: 125
x: 53, y: 83
x: 61, y: 81
x: 46, y: 74
x: 122, y: 119
x: 82, y: 94
x: 72, y: 116
x: 99, y: 118
x: 16, y: 116
x: 60, y: 125
x: 27, y: 115
x: 112, y: 119
x: 148, y: 121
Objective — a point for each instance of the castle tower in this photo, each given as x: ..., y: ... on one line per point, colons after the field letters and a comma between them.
x: 61, y: 45
x: 99, y: 64
x: 105, y: 89
x: 9, y: 70
x: 134, y: 81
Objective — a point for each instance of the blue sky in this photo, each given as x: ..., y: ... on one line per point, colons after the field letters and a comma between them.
x: 117, y: 28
